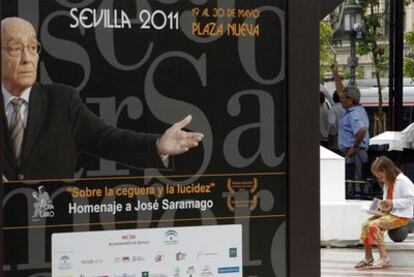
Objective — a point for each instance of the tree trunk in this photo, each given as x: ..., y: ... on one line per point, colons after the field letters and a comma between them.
x: 379, y: 119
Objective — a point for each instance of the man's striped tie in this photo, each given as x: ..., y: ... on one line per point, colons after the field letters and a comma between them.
x: 17, y: 127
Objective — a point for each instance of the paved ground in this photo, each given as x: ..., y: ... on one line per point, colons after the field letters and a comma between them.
x: 340, y: 262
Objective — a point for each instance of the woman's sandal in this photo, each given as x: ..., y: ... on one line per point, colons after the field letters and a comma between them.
x: 365, y: 263
x: 382, y: 263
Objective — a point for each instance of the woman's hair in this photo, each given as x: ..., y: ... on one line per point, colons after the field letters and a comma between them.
x: 387, y: 166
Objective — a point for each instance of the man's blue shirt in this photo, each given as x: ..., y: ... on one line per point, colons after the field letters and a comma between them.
x: 354, y: 119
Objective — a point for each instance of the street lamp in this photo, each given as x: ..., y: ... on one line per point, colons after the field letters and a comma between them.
x: 349, y: 28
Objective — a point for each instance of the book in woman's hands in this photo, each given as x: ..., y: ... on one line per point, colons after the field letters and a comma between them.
x: 374, y: 208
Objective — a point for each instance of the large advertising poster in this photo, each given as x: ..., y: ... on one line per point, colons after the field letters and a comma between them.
x: 150, y: 252
x: 130, y: 115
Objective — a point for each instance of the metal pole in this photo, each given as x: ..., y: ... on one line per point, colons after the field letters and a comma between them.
x: 391, y: 88
x: 353, y: 61
x: 399, y: 63
x: 396, y: 83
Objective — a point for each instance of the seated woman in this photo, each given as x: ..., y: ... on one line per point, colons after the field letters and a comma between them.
x: 396, y: 209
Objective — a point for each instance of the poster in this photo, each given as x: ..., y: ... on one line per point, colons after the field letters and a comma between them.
x: 142, y: 66
x: 150, y: 252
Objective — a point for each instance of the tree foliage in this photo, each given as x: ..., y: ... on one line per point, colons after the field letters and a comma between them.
x: 375, y: 14
x: 374, y: 42
x: 326, y: 57
x: 409, y: 60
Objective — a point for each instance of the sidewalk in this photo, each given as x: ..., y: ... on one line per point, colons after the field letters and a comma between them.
x: 340, y: 261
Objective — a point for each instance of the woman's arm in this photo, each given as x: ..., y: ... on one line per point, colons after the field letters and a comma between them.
x: 406, y: 198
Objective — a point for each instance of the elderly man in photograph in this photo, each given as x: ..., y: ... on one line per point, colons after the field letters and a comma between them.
x: 45, y: 127
x: 353, y: 135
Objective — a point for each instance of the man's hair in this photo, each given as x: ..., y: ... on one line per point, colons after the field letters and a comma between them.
x: 353, y: 94
x: 387, y: 166
x: 321, y: 97
x: 335, y: 97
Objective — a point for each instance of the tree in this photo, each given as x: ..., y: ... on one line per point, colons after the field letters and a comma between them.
x: 326, y: 58
x: 359, y: 73
x: 409, y: 60
x: 375, y: 15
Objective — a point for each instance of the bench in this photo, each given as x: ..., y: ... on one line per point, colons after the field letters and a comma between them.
x: 400, y: 234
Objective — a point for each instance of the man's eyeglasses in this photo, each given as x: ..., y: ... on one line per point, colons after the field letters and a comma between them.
x: 17, y: 50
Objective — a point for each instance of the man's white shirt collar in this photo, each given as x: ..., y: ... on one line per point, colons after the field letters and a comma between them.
x: 8, y: 97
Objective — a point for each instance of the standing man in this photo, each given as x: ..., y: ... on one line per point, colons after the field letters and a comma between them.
x: 323, y: 120
x: 337, y: 111
x: 353, y: 132
x: 45, y: 127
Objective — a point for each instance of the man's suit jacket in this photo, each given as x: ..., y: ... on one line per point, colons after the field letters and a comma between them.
x: 59, y: 127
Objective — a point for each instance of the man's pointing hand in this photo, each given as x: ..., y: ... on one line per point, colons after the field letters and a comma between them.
x: 176, y: 141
